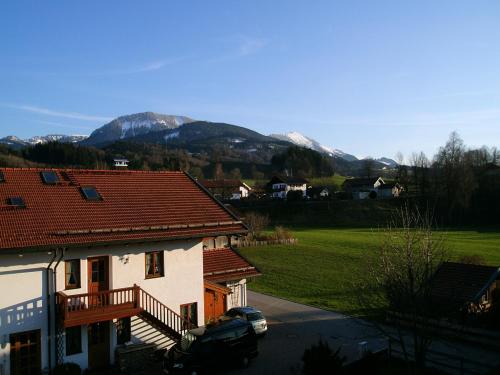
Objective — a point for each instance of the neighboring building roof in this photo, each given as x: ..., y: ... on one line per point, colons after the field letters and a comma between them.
x: 390, y: 185
x: 225, y: 264
x: 289, y: 180
x: 223, y: 184
x: 316, y: 190
x: 361, y: 182
x: 135, y: 206
x: 461, y: 282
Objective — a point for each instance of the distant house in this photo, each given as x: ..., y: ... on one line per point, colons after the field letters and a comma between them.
x: 464, y: 286
x: 121, y: 163
x: 227, y: 189
x: 281, y: 185
x: 389, y: 190
x: 318, y: 192
x: 371, y: 188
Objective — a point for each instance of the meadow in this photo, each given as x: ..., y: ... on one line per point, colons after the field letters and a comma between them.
x: 323, y: 267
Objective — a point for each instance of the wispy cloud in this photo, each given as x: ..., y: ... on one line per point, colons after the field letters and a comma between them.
x: 66, y: 126
x: 238, y: 46
x: 144, y: 68
x: 56, y: 113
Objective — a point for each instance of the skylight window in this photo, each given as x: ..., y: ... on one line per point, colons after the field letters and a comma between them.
x: 50, y: 177
x: 17, y: 202
x: 90, y: 193
x: 2, y: 177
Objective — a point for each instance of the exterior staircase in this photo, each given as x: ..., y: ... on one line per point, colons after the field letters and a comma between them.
x: 106, y: 305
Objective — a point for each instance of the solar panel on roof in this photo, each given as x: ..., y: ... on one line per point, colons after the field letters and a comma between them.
x: 50, y: 177
x: 17, y: 201
x: 2, y: 177
x: 90, y: 193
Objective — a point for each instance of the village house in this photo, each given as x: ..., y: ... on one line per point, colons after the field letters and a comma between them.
x: 280, y: 186
x: 318, y: 192
x: 91, y: 261
x: 227, y: 189
x: 371, y: 188
x: 462, y: 287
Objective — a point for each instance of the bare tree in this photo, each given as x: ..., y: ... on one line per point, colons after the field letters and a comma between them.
x: 368, y: 167
x: 420, y: 166
x: 256, y: 223
x: 398, y: 281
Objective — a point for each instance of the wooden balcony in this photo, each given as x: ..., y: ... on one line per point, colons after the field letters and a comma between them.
x: 86, y: 308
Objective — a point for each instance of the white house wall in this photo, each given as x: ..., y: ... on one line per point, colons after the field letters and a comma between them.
x: 23, y: 286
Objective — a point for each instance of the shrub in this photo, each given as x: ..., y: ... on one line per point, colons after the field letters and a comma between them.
x: 256, y: 224
x: 320, y: 359
x: 282, y: 233
x: 67, y: 369
x: 473, y: 259
x: 295, y: 195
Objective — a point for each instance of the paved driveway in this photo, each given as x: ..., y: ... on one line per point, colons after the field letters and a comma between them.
x: 294, y: 327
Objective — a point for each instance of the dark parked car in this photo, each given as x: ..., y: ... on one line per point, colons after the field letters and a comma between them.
x: 231, y: 341
x: 252, y: 315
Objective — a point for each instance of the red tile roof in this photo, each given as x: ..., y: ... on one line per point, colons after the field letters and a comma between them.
x: 135, y: 206
x: 226, y: 264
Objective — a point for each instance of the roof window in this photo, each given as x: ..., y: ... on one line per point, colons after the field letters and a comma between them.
x: 2, y: 177
x: 17, y: 202
x: 90, y: 193
x: 50, y: 177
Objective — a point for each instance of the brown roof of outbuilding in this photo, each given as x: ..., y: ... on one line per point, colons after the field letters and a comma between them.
x: 135, y: 206
x: 461, y: 282
x: 225, y: 264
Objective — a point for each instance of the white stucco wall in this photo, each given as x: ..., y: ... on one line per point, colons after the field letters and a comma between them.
x: 238, y: 296
x: 22, y: 286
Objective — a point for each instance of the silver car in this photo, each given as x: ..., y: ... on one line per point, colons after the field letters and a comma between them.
x: 252, y: 315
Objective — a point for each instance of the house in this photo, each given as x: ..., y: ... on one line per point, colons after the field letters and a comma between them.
x: 91, y: 260
x: 464, y: 287
x: 318, y: 193
x: 225, y: 272
x: 281, y: 185
x: 389, y: 190
x: 227, y: 189
x: 371, y: 188
x: 121, y: 163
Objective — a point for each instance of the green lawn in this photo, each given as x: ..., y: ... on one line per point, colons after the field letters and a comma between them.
x: 335, y: 180
x: 322, y: 268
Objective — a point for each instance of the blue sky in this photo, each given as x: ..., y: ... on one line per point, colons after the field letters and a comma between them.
x: 367, y: 77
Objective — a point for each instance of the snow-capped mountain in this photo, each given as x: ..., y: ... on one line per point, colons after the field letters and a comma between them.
x: 134, y: 125
x: 15, y: 142
x: 388, y: 162
x: 301, y: 140
x: 55, y: 138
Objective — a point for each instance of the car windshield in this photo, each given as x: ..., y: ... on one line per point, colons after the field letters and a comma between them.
x: 187, y: 340
x: 255, y: 316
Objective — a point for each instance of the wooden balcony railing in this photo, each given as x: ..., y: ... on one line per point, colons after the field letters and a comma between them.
x: 105, y: 305
x: 87, y: 308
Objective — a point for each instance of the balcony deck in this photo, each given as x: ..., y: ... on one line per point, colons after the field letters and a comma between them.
x: 87, y: 308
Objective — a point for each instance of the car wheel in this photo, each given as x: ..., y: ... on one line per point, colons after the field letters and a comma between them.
x: 245, y: 361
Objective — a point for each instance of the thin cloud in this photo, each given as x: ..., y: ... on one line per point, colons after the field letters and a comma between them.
x: 240, y: 46
x: 55, y: 113
x: 148, y: 67
x: 249, y: 46
x: 65, y: 126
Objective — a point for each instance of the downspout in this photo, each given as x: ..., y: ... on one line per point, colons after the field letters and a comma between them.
x: 53, y: 300
x: 47, y: 286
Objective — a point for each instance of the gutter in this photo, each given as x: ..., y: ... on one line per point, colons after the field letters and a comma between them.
x: 47, y: 286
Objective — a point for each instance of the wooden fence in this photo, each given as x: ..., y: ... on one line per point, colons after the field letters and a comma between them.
x: 241, y: 242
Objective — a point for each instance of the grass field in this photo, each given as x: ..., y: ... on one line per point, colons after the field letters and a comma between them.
x: 322, y: 268
x: 335, y: 180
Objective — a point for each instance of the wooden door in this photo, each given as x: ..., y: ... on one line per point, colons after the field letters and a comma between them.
x: 98, y: 279
x: 215, y: 304
x: 98, y: 345
x: 25, y: 353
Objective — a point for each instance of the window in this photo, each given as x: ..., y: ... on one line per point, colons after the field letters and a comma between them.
x: 72, y: 273
x: 90, y: 193
x: 2, y: 177
x: 154, y: 264
x: 189, y: 312
x: 123, y: 331
x: 17, y: 202
x: 49, y: 177
x: 73, y: 340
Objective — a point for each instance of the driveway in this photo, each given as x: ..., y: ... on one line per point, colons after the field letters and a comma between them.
x: 294, y: 327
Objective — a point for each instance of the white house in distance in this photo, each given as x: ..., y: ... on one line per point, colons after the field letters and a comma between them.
x: 371, y: 188
x: 227, y: 189
x: 281, y: 185
x: 91, y: 260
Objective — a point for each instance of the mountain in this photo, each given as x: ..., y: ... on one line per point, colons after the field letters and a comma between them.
x: 13, y: 142
x: 134, y: 125
x: 388, y: 162
x: 301, y: 140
